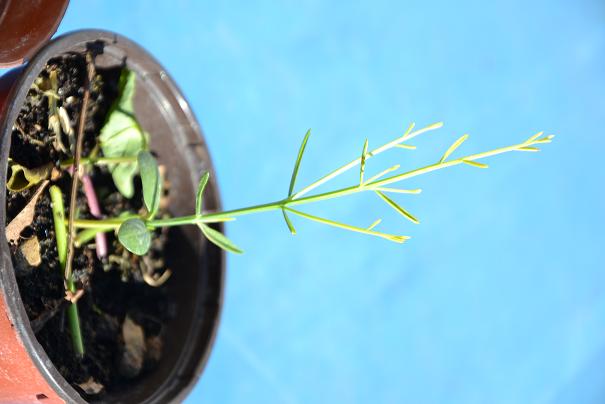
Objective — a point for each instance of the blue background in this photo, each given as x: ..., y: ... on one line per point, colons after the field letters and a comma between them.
x: 500, y: 295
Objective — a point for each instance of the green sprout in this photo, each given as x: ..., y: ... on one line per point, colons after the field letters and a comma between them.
x: 58, y: 210
x: 123, y: 148
x: 135, y: 231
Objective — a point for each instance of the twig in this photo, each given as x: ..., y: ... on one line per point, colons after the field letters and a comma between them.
x: 76, y: 172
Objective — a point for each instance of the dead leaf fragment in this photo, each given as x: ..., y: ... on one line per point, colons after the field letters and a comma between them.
x: 30, y: 249
x: 155, y: 347
x: 91, y: 387
x: 25, y: 217
x: 133, y: 354
x: 22, y: 178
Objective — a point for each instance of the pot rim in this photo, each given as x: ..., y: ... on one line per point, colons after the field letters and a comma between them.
x: 16, y: 96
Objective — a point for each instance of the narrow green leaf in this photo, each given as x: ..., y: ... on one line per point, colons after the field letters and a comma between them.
x: 534, y: 137
x: 362, y: 166
x: 453, y: 147
x: 374, y: 224
x: 398, y: 208
x: 301, y: 151
x: 411, y: 135
x: 134, y: 236
x: 406, y: 146
x: 151, y: 181
x: 199, y: 197
x: 288, y: 222
x: 382, y: 173
x: 390, y: 237
x: 219, y: 239
x: 475, y: 164
x: 399, y: 191
x: 528, y: 149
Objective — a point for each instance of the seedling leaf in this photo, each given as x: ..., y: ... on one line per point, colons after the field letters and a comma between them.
x: 534, y: 137
x: 390, y: 237
x: 288, y: 222
x: 405, y: 146
x: 399, y: 191
x: 383, y: 173
x: 374, y: 224
x: 199, y: 198
x: 362, y: 165
x: 122, y: 136
x: 411, y: 135
x: 301, y: 151
x: 453, y: 147
x: 475, y: 164
x: 151, y: 181
x: 398, y: 208
x: 134, y: 236
x: 219, y: 239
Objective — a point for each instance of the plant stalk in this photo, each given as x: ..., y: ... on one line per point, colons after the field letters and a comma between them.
x: 73, y: 317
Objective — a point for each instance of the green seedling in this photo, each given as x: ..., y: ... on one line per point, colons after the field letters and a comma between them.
x: 135, y: 231
x: 123, y: 149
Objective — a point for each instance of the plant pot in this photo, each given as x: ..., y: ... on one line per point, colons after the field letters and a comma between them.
x: 26, y: 373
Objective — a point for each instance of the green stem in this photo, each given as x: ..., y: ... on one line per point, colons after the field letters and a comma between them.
x: 389, y: 145
x: 297, y: 199
x: 61, y: 236
x: 100, y: 160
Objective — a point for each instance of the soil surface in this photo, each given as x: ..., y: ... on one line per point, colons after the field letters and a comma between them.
x: 122, y: 317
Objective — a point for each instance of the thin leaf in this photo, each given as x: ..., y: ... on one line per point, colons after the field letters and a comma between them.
x: 390, y: 237
x: 362, y: 165
x: 134, y: 236
x: 433, y: 126
x: 374, y: 224
x: 301, y: 151
x: 453, y: 147
x: 199, y: 197
x: 528, y: 149
x: 151, y: 181
x: 475, y: 164
x: 398, y: 208
x: 383, y: 173
x: 534, y: 137
x: 288, y: 222
x: 406, y: 146
x: 219, y: 239
x: 399, y: 191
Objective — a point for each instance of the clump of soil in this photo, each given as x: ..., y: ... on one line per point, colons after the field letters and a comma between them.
x: 122, y: 317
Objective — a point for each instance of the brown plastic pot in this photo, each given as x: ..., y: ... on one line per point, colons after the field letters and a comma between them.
x: 196, y: 286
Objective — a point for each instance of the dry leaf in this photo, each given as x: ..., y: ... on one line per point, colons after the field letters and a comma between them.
x: 25, y: 217
x: 133, y: 354
x: 30, y: 249
x: 91, y: 386
x: 22, y: 178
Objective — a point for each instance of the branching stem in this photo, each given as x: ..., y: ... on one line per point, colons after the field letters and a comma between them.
x: 297, y: 199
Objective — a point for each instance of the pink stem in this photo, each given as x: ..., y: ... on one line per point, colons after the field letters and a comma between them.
x: 95, y: 211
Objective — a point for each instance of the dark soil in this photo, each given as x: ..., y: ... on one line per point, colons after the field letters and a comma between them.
x: 114, y: 289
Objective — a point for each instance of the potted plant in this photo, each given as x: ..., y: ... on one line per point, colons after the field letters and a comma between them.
x: 109, y: 292
x: 190, y: 301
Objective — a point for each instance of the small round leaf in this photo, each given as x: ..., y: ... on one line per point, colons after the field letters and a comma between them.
x: 134, y: 236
